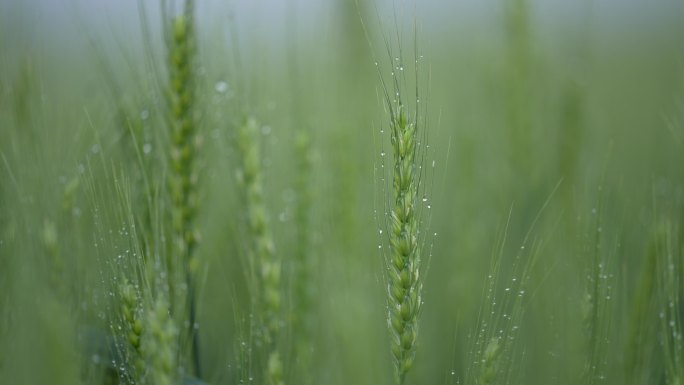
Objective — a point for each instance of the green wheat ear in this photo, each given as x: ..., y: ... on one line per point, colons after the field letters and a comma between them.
x: 261, y: 250
x: 489, y: 361
x: 303, y: 262
x: 159, y: 347
x: 131, y: 317
x: 184, y: 133
x: 405, y: 285
x: 183, y: 179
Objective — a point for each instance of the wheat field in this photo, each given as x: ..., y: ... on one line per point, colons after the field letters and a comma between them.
x: 342, y: 192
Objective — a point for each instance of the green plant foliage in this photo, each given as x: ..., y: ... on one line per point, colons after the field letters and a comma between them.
x: 341, y: 192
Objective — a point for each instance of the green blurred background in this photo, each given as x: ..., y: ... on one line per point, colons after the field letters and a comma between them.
x: 558, y: 124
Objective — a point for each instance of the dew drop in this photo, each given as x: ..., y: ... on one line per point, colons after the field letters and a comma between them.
x: 221, y: 87
x: 265, y: 130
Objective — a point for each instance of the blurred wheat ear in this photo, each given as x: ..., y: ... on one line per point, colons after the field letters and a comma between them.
x: 262, y: 257
x: 184, y: 133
